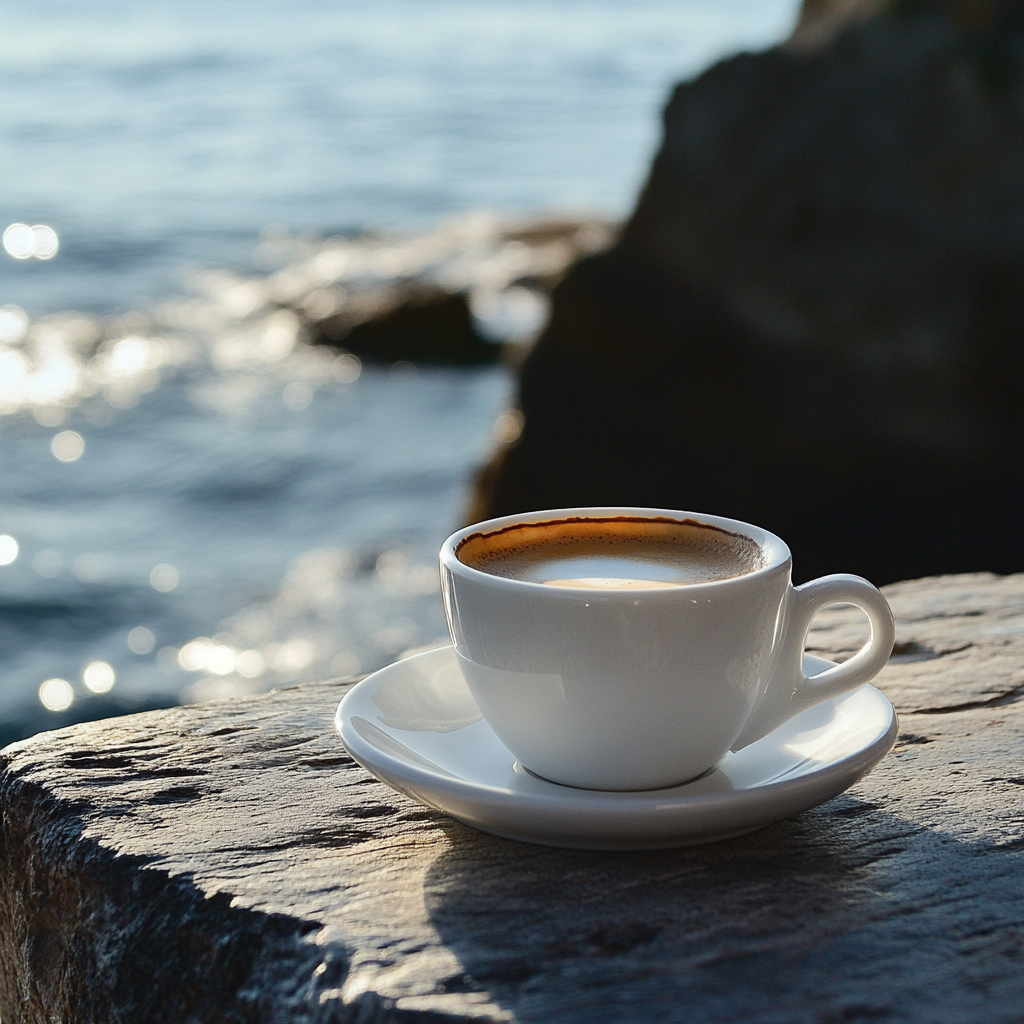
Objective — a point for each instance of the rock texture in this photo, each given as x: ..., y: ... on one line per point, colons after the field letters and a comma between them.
x: 813, y: 319
x: 229, y: 862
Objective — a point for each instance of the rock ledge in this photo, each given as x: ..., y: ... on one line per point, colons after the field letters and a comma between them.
x: 229, y: 862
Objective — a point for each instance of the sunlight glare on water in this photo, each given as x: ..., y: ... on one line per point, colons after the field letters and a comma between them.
x: 56, y: 695
x: 13, y: 324
x: 164, y: 578
x: 67, y: 446
x: 8, y: 549
x: 141, y: 640
x: 154, y: 136
x: 204, y: 501
x: 98, y: 677
x: 23, y: 242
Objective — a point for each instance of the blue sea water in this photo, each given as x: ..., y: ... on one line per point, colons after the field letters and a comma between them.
x: 279, y: 514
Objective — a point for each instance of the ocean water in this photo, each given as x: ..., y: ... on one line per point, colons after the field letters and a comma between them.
x: 192, y: 496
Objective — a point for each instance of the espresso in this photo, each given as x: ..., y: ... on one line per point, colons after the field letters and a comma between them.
x: 620, y: 553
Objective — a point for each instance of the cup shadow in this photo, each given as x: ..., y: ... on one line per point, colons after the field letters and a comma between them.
x: 845, y: 913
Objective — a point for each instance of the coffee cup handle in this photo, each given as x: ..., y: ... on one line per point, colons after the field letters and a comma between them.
x: 789, y: 690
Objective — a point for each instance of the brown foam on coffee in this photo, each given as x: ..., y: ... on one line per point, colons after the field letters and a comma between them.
x: 621, y: 552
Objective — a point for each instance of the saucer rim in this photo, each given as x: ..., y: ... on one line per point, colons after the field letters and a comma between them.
x: 565, y: 816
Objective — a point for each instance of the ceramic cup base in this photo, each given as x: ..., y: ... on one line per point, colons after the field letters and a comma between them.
x: 518, y: 766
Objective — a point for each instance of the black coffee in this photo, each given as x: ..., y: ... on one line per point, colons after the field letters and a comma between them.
x: 615, y: 553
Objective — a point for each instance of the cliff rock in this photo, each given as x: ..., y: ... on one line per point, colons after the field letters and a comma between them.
x: 228, y: 863
x: 814, y: 318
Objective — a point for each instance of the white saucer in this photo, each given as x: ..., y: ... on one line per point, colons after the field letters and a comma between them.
x: 416, y: 727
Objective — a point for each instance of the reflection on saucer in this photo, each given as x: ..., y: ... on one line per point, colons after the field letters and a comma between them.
x: 443, y: 707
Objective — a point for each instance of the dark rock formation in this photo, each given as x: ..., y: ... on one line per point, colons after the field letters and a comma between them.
x: 230, y: 863
x: 433, y: 298
x: 414, y: 323
x: 814, y: 320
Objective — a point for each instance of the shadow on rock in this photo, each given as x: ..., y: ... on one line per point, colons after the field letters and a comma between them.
x: 845, y: 913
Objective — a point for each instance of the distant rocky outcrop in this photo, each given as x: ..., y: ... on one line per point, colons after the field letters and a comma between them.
x: 452, y: 296
x: 416, y: 322
x: 814, y: 319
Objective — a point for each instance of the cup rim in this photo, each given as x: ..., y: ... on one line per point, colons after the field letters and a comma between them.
x: 777, y: 553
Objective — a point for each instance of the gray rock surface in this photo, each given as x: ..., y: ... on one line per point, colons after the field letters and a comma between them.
x: 229, y: 862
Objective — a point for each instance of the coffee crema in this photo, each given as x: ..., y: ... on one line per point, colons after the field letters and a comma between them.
x: 615, y: 553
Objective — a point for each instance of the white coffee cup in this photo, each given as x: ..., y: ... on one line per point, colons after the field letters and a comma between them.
x: 633, y: 689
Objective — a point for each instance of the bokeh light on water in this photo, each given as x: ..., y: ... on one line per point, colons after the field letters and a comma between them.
x: 8, y: 549
x: 56, y: 695
x: 98, y: 677
x: 164, y: 578
x: 201, y: 501
x: 200, y: 504
x: 67, y: 446
x: 151, y: 136
x: 141, y: 640
x: 13, y: 324
x: 24, y: 242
